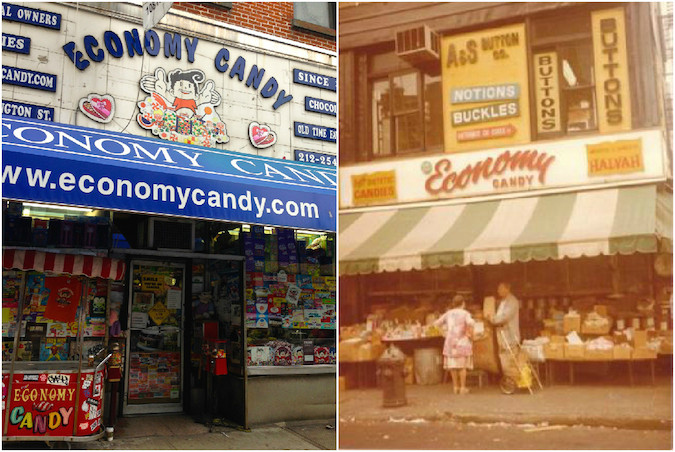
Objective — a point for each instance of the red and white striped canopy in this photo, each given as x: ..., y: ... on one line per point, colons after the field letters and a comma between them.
x: 71, y: 264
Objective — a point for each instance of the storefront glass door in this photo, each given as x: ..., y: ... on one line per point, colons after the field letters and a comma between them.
x: 154, y: 360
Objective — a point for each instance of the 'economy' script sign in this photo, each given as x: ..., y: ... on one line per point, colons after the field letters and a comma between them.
x: 508, y: 169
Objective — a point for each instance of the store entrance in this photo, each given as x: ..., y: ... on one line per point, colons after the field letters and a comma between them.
x: 154, y: 376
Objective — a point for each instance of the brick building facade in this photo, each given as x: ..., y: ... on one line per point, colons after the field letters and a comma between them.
x: 275, y: 18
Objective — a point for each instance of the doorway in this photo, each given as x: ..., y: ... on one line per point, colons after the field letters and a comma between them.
x: 154, y: 358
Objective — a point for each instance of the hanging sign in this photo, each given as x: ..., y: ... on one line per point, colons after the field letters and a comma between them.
x: 547, y: 94
x: 14, y: 43
x: 153, y: 13
x: 314, y: 79
x: 314, y: 132
x: 31, y: 16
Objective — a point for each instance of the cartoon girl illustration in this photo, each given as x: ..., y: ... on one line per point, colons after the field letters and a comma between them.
x: 182, y: 89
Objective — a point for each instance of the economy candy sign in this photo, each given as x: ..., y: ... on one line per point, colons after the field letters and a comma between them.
x: 78, y: 166
x: 43, y: 404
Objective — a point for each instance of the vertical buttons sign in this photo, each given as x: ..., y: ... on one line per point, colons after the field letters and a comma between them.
x: 611, y: 68
x: 547, y: 94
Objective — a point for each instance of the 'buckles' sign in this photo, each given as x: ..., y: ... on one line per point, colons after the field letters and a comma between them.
x: 31, y: 16
x: 314, y: 79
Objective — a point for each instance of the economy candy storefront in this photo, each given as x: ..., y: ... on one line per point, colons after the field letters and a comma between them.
x: 132, y: 232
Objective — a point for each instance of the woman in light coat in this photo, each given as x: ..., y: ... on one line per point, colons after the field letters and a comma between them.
x: 458, y: 347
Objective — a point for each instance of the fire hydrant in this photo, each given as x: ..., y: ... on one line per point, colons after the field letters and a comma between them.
x: 391, y: 369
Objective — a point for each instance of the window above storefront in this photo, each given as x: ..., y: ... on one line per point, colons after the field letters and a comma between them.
x: 563, y: 73
x: 319, y: 17
x: 405, y: 108
x: 404, y: 113
x: 562, y: 58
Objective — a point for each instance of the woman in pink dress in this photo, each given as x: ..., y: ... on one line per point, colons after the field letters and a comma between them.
x: 458, y: 349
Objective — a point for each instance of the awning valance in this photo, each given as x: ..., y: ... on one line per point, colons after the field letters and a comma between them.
x: 71, y: 264
x: 77, y: 166
x: 590, y: 223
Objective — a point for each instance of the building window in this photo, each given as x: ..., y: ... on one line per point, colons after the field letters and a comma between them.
x: 406, y: 114
x: 318, y: 17
x: 564, y: 75
x: 223, y: 5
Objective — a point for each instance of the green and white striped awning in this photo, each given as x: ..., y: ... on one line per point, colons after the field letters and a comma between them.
x: 589, y: 223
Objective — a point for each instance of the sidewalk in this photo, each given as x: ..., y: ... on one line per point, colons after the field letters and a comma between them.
x: 638, y: 407
x: 180, y: 432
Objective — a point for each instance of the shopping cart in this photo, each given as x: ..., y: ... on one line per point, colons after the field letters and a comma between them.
x: 517, y: 369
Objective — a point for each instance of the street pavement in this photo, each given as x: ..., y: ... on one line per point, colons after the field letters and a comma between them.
x: 643, y: 406
x: 181, y: 432
x: 421, y: 434
x: 585, y: 416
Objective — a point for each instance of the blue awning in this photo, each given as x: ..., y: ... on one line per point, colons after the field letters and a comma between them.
x: 79, y: 166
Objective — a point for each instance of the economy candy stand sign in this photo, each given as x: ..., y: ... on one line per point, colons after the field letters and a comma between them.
x: 78, y: 166
x: 43, y: 403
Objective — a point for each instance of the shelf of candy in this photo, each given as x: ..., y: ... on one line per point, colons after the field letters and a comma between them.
x: 402, y: 326
x: 256, y: 246
x: 52, y: 308
x: 363, y: 342
x: 284, y: 353
x: 290, y: 301
x: 11, y: 288
x: 623, y: 328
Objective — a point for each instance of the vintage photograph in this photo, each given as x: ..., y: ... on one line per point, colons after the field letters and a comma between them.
x: 267, y: 225
x: 169, y: 193
x: 505, y: 231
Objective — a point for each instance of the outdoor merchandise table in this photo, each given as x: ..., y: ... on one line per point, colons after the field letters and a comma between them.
x: 48, y: 402
x: 408, y: 346
x: 360, y: 369
x: 571, y: 363
x: 59, y: 398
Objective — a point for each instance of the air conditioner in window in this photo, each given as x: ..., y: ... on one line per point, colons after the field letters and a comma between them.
x: 418, y: 45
